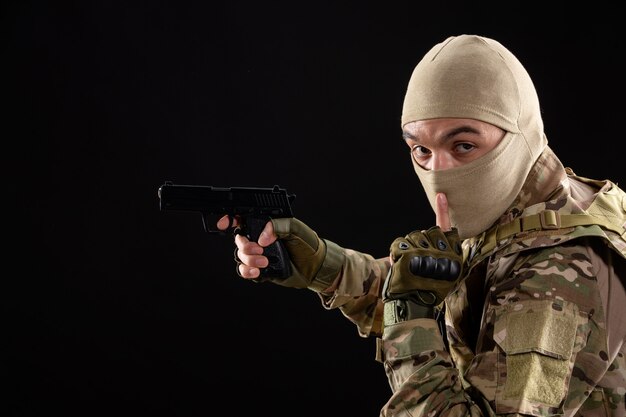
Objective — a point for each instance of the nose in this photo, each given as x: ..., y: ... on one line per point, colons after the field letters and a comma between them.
x: 441, y: 160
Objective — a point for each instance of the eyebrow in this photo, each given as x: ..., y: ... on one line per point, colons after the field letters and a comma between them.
x: 448, y: 135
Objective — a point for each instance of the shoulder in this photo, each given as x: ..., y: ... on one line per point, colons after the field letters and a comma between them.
x: 574, y: 271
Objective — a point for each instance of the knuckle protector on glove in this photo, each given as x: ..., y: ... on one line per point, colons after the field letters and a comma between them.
x: 426, y: 260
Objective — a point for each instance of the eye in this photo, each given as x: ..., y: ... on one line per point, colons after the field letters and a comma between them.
x: 418, y: 152
x: 464, y: 147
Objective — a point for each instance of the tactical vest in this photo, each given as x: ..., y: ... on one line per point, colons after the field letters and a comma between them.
x: 604, y: 218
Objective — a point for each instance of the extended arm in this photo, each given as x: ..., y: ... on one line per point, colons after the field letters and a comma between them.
x: 345, y: 279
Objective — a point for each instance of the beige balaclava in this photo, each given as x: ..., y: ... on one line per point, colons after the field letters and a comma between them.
x: 474, y: 77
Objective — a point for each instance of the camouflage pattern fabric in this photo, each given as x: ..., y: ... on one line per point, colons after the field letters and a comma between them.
x: 357, y: 291
x: 536, y: 328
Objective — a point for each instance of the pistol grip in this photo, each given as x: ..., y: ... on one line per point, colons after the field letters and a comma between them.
x: 279, y: 263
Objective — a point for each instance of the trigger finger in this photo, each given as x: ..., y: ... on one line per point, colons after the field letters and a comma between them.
x: 228, y: 222
x: 224, y: 222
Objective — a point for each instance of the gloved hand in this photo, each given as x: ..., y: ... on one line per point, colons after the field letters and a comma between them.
x: 314, y: 262
x: 426, y: 266
x: 306, y: 251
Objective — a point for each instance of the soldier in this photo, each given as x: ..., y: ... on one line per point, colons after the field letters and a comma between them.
x: 514, y: 303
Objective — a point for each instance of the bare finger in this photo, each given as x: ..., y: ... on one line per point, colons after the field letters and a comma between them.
x: 442, y: 215
x: 248, y: 272
x: 267, y: 236
x: 225, y: 222
x: 246, y: 247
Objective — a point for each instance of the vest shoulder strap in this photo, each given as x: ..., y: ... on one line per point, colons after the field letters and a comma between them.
x: 608, y: 210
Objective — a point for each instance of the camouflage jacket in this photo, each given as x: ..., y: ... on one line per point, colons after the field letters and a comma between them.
x: 536, y: 328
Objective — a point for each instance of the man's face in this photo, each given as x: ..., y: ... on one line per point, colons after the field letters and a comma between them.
x: 438, y: 144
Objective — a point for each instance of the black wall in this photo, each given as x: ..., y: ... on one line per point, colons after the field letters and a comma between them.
x: 114, y: 308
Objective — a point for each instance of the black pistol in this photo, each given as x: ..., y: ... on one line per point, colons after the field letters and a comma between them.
x: 254, y: 207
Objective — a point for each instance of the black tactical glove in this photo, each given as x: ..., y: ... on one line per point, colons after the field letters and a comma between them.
x: 426, y: 266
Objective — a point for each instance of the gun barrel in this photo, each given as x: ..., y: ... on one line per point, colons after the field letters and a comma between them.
x: 274, y: 201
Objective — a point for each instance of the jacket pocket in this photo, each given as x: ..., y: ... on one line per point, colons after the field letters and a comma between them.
x: 539, y: 339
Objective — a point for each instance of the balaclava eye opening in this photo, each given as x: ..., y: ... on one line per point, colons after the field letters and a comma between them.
x: 474, y: 77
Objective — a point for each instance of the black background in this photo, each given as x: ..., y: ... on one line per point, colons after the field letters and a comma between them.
x: 112, y: 307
